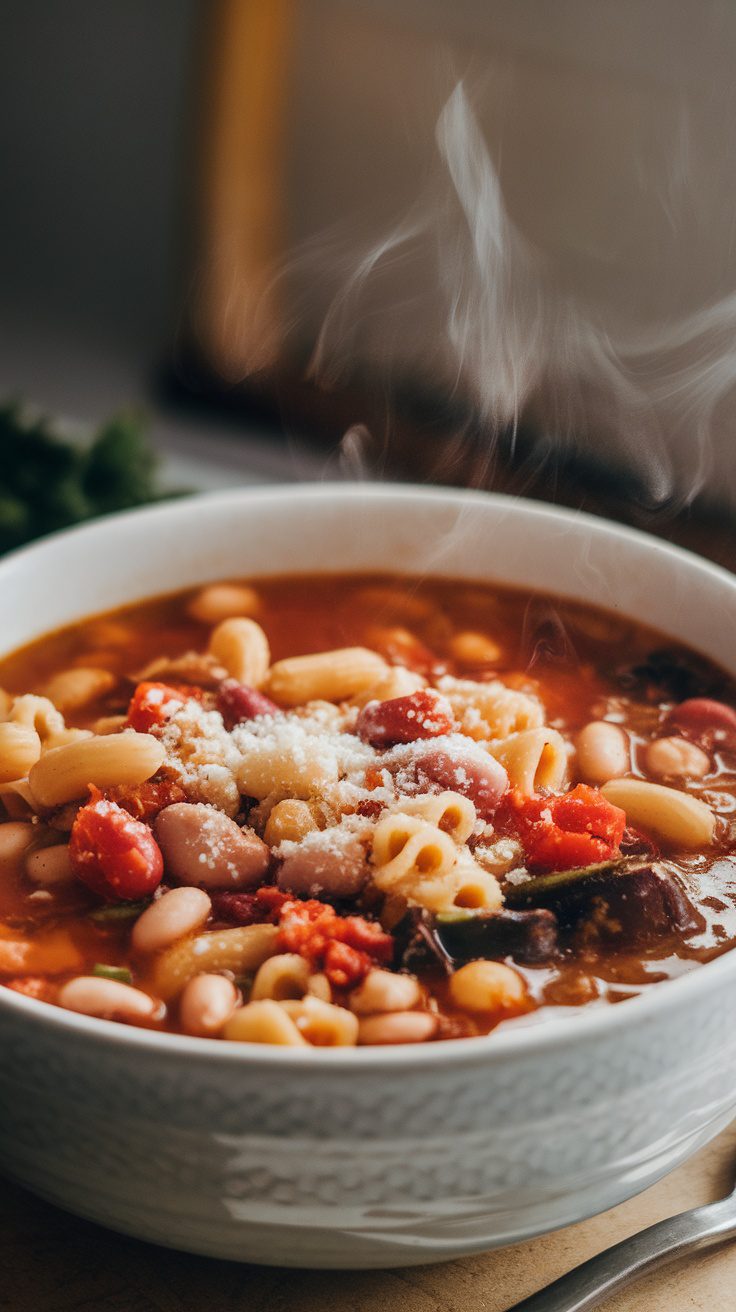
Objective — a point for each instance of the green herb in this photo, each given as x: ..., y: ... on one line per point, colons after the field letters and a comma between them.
x: 119, y: 911
x: 49, y: 482
x: 119, y: 973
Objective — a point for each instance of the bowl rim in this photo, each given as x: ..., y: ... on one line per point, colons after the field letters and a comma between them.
x: 509, y: 1039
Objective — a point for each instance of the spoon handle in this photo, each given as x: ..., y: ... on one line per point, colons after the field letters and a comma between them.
x: 586, y: 1285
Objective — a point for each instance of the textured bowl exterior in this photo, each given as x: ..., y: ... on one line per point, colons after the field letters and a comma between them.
x: 365, y: 1158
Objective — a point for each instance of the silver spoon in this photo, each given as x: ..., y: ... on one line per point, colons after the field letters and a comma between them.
x: 586, y: 1285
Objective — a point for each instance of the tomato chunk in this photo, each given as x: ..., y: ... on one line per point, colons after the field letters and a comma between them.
x: 344, y: 947
x: 559, y: 833
x: 152, y: 704
x: 113, y: 854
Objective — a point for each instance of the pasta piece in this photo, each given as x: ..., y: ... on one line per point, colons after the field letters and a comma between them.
x: 451, y: 812
x: 284, y: 976
x: 294, y: 767
x: 328, y: 676
x: 533, y: 759
x: 240, y: 950
x: 263, y: 1022
x: 407, y: 848
x: 491, y: 710
x: 64, y: 773
x: 398, y: 681
x: 37, y: 713
x: 676, y: 817
x: 475, y: 888
x: 20, y: 748
x: 6, y: 701
x: 70, y: 690
x: 242, y: 647
x: 322, y: 1023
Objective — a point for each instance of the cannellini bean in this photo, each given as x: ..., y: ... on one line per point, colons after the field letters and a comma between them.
x: 222, y: 601
x: 330, y: 676
x: 263, y: 1022
x: 175, y: 915
x: 331, y: 863
x: 677, y: 757
x: 49, y: 865
x: 284, y: 976
x: 204, y: 847
x: 15, y: 837
x: 397, y: 1027
x: 206, y: 1005
x: 674, y: 816
x: 20, y: 748
x: 242, y: 647
x: 64, y: 773
x: 602, y: 752
x: 69, y: 690
x: 240, y: 950
x: 107, y: 999
x: 381, y: 991
x: 487, y: 986
x: 398, y: 681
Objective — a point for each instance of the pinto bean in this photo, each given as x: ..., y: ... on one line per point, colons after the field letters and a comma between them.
x: 178, y: 913
x: 475, y: 774
x: 329, y: 863
x: 206, y: 1005
x: 204, y: 847
x: 397, y: 1027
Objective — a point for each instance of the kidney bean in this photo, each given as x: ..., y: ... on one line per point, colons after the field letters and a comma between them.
x: 237, y: 702
x: 205, y: 848
x: 476, y: 775
x: 706, y: 722
x: 422, y: 714
x: 330, y: 864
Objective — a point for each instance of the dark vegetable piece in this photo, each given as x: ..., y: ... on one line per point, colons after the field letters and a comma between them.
x: 628, y: 904
x: 529, y: 937
x: 118, y: 911
x: 120, y: 974
x: 447, y: 940
x: 671, y: 674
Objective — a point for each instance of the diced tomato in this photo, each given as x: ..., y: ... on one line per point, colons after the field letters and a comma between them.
x: 317, y: 933
x: 152, y: 704
x: 144, y: 801
x: 560, y: 833
x: 113, y: 854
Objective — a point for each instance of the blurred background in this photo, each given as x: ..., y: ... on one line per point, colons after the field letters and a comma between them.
x: 285, y: 229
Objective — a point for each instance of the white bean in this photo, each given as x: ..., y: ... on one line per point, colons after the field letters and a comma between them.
x: 382, y: 991
x: 602, y: 752
x: 204, y: 847
x: 221, y: 601
x: 676, y: 757
x: 397, y: 1027
x: 171, y: 917
x: 106, y: 998
x: 15, y: 837
x: 206, y: 1005
x: 49, y: 865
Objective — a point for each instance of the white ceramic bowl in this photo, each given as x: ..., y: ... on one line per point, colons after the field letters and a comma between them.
x: 367, y: 1157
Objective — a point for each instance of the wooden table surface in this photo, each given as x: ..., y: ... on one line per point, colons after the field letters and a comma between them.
x: 52, y: 1262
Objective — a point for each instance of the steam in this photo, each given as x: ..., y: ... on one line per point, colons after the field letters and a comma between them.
x: 513, y: 339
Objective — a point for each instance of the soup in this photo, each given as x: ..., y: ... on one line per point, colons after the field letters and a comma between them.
x: 329, y: 810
